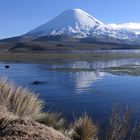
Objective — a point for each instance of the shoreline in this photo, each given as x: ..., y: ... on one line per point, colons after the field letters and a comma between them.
x: 9, y: 57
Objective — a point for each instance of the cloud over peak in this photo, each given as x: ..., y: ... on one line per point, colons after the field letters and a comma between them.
x: 135, y: 27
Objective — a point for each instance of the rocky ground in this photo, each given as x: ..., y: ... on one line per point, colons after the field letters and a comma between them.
x: 29, y: 130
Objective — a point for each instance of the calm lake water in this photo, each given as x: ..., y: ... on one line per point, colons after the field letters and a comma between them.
x: 76, y: 87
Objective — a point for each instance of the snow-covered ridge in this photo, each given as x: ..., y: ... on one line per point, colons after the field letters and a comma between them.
x: 79, y: 24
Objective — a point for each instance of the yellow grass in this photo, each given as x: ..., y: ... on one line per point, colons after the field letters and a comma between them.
x: 84, y: 129
x: 18, y: 102
x: 53, y: 119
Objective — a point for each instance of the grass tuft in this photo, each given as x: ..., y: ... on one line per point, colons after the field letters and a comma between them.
x: 84, y: 129
x: 53, y: 119
x: 18, y: 102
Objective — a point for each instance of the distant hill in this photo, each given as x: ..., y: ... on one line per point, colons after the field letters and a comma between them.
x: 26, y: 47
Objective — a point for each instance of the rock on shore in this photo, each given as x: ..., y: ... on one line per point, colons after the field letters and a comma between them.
x: 29, y: 130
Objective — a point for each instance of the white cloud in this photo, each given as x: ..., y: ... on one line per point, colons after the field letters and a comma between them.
x: 135, y: 27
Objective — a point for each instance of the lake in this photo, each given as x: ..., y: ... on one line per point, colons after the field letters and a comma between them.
x: 77, y: 87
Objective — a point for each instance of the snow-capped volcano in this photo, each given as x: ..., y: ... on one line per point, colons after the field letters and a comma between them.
x: 71, y: 22
x: 77, y: 23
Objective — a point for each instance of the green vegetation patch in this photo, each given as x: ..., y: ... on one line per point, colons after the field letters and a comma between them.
x: 132, y: 70
x: 45, y: 57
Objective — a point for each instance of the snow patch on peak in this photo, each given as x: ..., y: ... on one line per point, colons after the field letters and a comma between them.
x: 72, y: 21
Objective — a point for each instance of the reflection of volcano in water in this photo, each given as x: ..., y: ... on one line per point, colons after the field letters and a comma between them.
x: 96, y: 65
x: 88, y: 72
x: 84, y: 79
x: 104, y: 64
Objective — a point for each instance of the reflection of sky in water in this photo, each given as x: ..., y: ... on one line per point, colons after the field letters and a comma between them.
x: 77, y: 91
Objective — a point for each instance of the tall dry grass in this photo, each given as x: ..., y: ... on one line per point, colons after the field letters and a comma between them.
x: 18, y: 102
x: 118, y: 127
x: 84, y: 129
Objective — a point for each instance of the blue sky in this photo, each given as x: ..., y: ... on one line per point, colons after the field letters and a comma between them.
x: 20, y: 16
